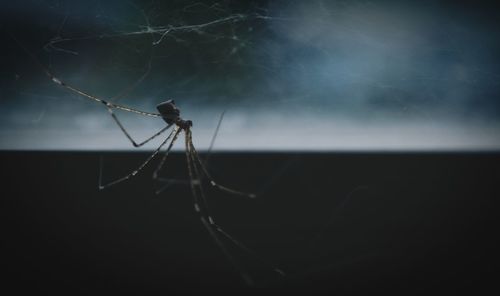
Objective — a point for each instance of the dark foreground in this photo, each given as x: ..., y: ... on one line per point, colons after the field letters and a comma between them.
x: 336, y: 223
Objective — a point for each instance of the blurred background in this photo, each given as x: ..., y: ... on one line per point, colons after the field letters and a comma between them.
x: 403, y: 96
x: 291, y: 75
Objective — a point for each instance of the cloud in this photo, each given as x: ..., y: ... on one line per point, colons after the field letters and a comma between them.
x: 313, y: 75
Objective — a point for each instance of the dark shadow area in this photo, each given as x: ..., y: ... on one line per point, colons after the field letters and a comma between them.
x: 337, y: 223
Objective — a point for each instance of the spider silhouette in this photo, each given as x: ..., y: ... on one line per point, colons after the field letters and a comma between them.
x: 197, y: 169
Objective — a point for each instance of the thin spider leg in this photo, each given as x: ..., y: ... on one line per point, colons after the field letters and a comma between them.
x: 108, y: 104
x: 214, y: 226
x: 162, y: 162
x: 113, y: 115
x: 196, y: 184
x: 249, y: 251
x: 246, y: 277
x: 212, y: 182
x: 76, y: 90
x: 219, y: 229
x: 199, y: 180
x: 193, y: 181
x: 169, y: 182
x: 133, y: 173
x: 212, y: 142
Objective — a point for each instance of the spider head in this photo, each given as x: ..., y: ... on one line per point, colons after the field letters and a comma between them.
x: 169, y: 112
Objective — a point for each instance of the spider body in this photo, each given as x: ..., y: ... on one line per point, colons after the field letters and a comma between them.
x: 196, y: 167
x: 168, y: 111
x: 171, y: 114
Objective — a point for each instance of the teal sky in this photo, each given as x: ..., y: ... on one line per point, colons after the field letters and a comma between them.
x: 291, y: 75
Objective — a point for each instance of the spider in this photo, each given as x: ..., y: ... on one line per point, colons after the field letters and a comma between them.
x: 197, y: 169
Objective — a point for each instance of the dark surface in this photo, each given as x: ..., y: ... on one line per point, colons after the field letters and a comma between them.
x: 336, y: 223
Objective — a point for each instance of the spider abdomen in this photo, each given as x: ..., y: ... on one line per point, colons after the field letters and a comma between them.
x: 169, y: 112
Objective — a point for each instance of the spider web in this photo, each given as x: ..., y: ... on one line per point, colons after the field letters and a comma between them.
x: 373, y: 76
x: 291, y: 75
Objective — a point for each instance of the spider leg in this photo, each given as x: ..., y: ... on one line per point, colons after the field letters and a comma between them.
x: 207, y: 174
x: 205, y: 218
x: 89, y: 96
x: 212, y: 142
x: 168, y: 181
x: 208, y: 219
x: 175, y: 132
x: 77, y: 90
x: 246, y: 277
x: 161, y: 164
x: 115, y: 118
x: 249, y: 251
x: 218, y: 228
